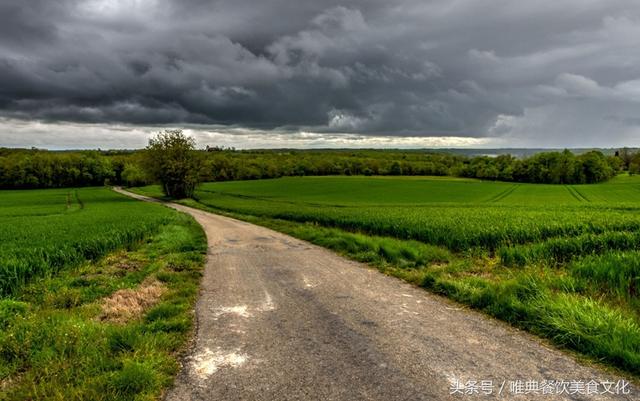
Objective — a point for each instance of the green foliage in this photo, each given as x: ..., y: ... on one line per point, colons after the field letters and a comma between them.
x: 557, y: 251
x: 42, y: 169
x: 52, y: 351
x: 172, y: 160
x: 547, y: 167
x: 134, y: 176
x: 45, y: 231
x: 133, y: 379
x: 616, y: 273
x: 370, y: 249
x: 11, y: 310
x: 20, y: 168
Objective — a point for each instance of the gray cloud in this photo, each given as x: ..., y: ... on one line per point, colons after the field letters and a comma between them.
x: 543, y: 73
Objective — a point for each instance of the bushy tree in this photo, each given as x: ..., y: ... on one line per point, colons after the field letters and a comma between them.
x: 626, y: 156
x: 634, y: 165
x: 595, y: 167
x: 171, y: 158
x: 134, y: 176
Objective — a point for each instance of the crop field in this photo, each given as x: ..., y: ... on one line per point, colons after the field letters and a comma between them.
x: 386, y: 191
x: 561, y: 261
x: 476, y: 214
x: 46, y: 230
x: 96, y: 294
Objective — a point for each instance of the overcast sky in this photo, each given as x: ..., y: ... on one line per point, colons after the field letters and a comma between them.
x: 297, y: 73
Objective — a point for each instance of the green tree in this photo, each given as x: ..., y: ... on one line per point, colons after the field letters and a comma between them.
x: 595, y: 167
x: 634, y: 165
x: 172, y: 159
x: 133, y: 175
x: 626, y: 157
x: 395, y: 169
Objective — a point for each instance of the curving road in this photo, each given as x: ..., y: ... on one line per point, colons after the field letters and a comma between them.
x: 280, y: 319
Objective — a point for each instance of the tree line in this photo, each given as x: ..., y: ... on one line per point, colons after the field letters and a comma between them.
x: 172, y: 159
x: 546, y: 167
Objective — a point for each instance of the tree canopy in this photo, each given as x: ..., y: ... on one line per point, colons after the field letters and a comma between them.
x: 171, y: 159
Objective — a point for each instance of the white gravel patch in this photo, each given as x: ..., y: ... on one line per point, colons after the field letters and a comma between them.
x: 209, y: 362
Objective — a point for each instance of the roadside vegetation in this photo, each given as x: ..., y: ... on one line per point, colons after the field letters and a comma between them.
x: 559, y: 261
x: 97, y: 294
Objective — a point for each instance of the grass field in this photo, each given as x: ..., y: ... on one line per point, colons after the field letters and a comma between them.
x: 478, y: 214
x: 97, y: 294
x: 560, y: 261
x: 44, y: 231
x: 425, y: 190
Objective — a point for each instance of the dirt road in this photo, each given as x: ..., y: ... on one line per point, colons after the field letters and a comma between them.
x: 280, y: 319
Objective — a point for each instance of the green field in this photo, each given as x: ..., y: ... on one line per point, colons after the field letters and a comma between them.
x: 359, y: 191
x: 561, y: 261
x: 96, y: 294
x: 475, y: 214
x: 373, y: 191
x: 44, y: 231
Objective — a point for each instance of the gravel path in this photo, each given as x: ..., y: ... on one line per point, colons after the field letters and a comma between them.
x: 281, y: 319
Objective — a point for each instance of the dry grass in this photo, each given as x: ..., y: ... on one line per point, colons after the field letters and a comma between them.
x: 7, y: 382
x: 122, y: 263
x: 125, y: 305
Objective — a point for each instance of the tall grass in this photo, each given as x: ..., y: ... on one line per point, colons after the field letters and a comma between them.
x: 569, y: 320
x: 41, y: 233
x: 558, y: 251
x: 615, y: 273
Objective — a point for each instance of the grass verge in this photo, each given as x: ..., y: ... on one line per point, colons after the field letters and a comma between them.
x: 105, y: 330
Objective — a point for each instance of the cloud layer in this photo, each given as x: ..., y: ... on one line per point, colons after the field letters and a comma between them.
x: 542, y: 73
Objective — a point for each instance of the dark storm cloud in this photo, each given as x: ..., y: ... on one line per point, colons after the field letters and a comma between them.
x: 564, y: 72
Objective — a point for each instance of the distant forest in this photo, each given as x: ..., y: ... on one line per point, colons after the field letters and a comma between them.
x: 34, y: 168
